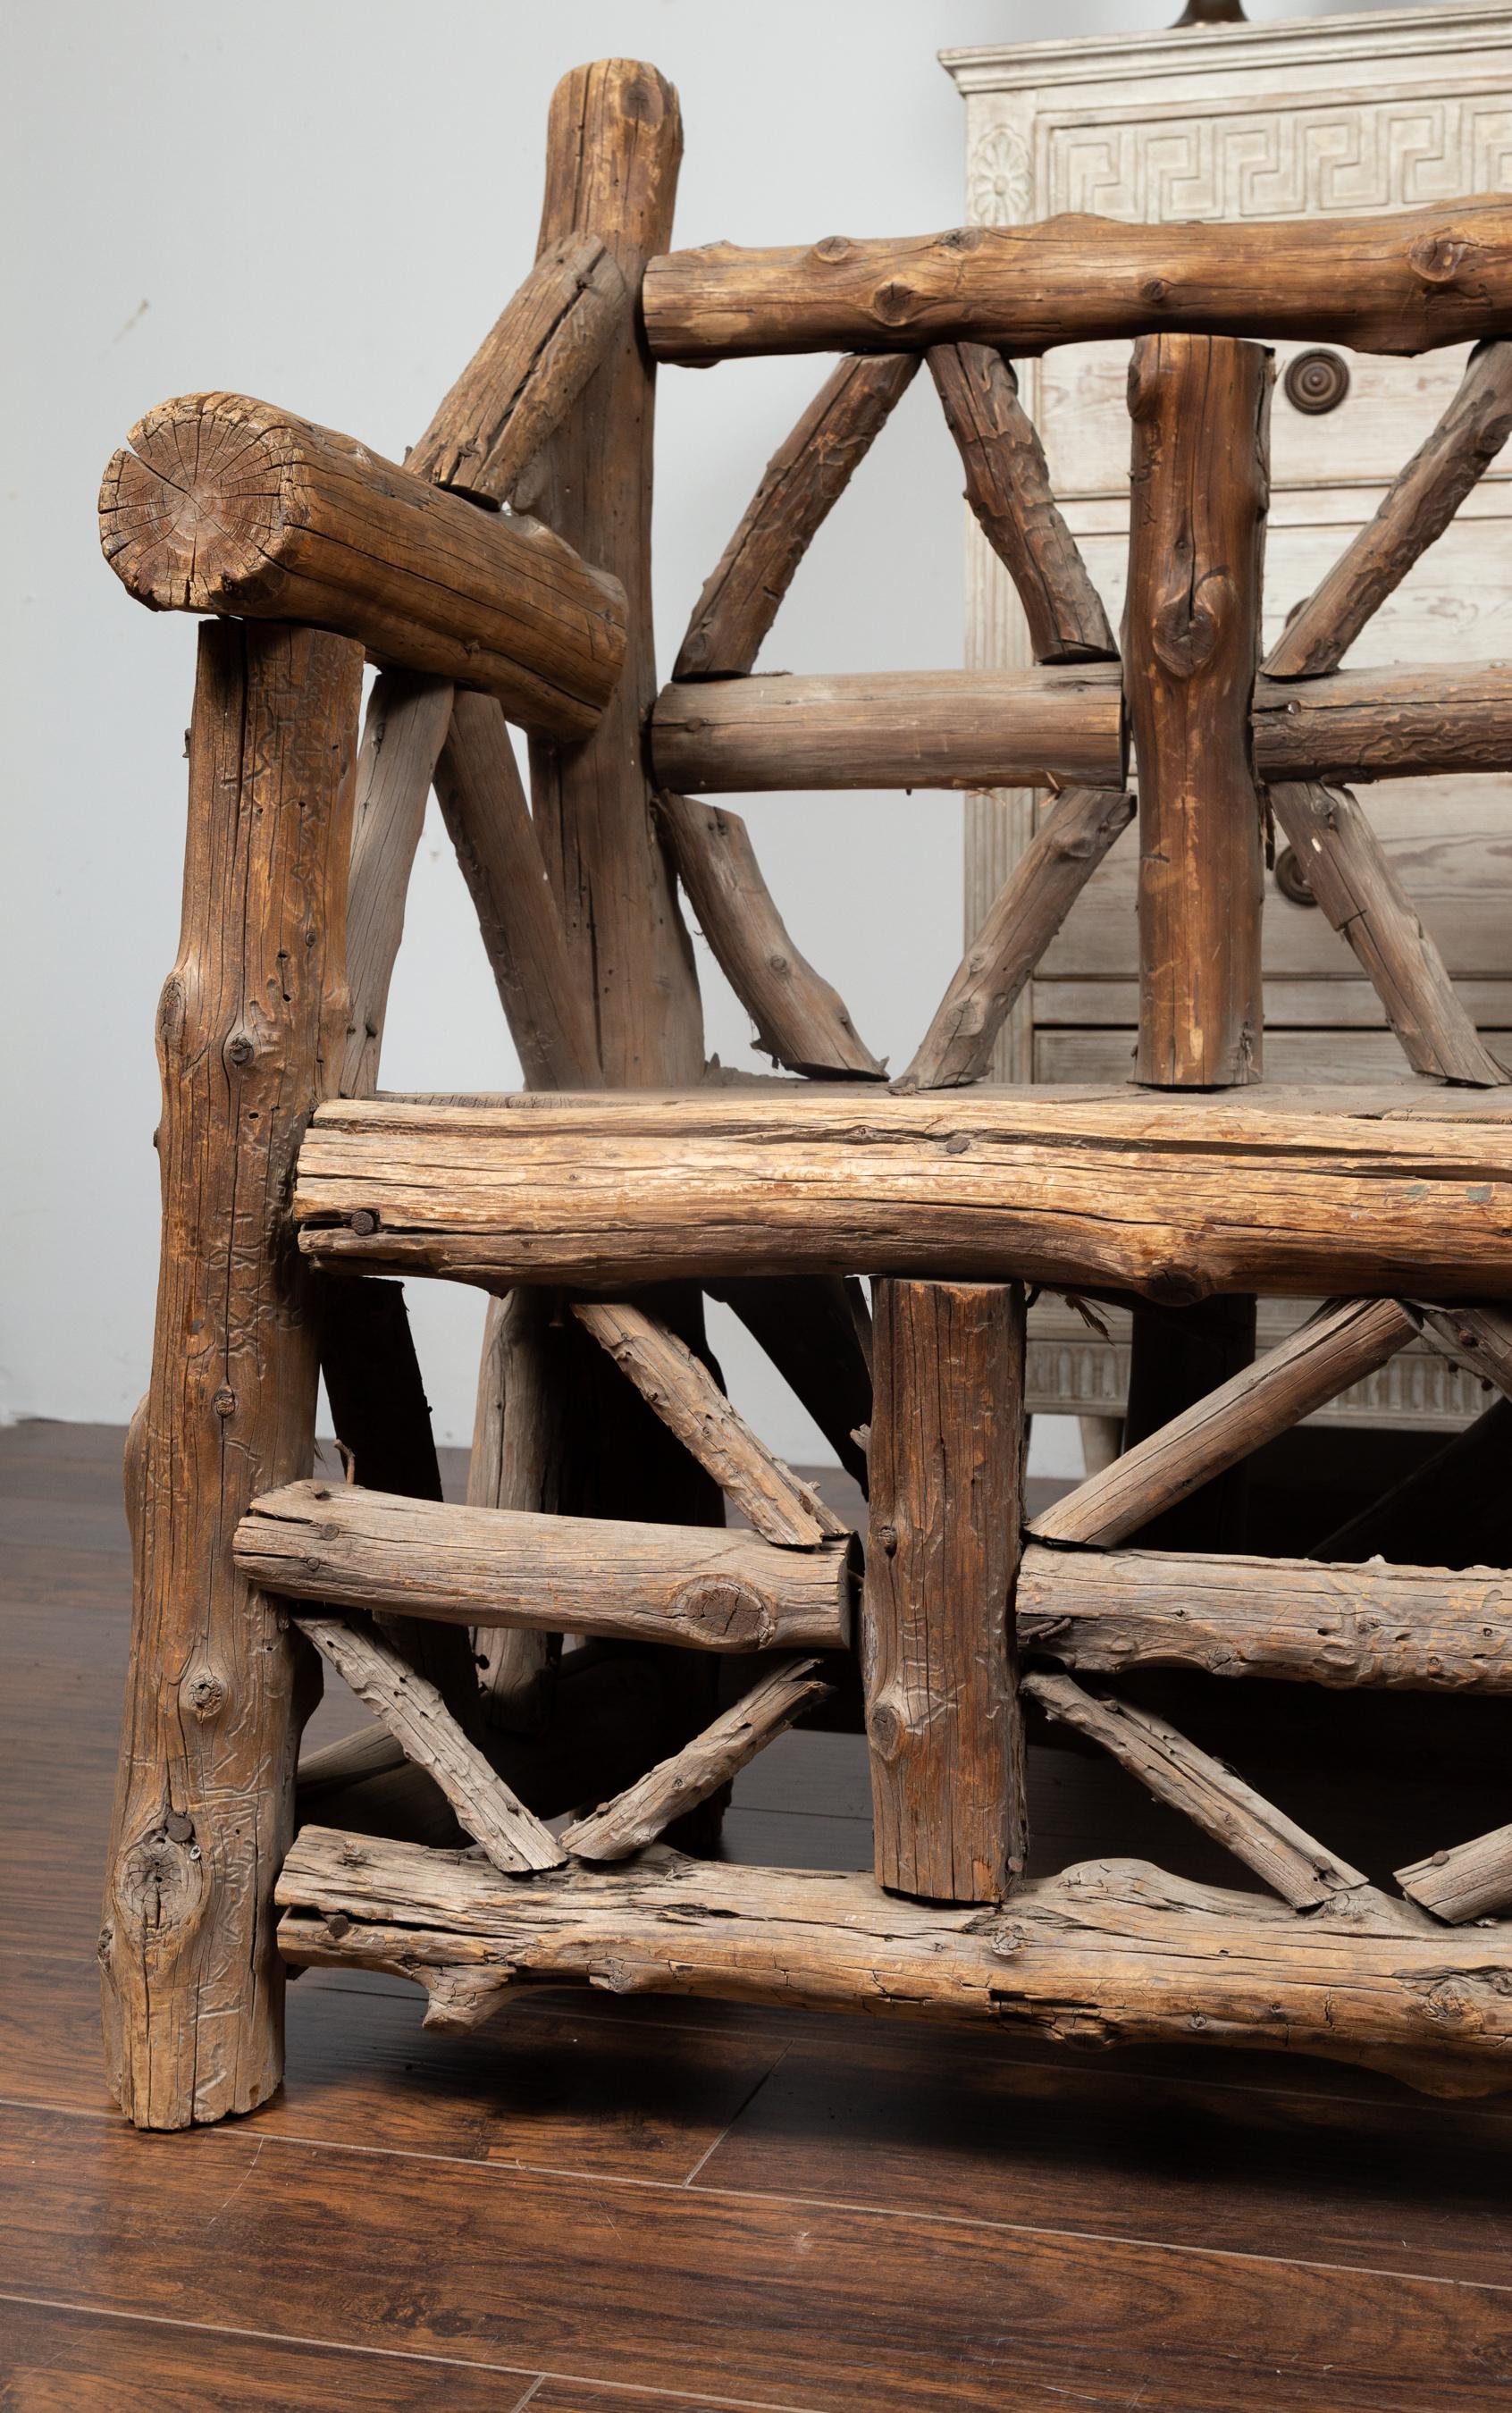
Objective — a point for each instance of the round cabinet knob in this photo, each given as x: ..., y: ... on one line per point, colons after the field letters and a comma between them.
x: 1316, y: 381
x: 1292, y: 880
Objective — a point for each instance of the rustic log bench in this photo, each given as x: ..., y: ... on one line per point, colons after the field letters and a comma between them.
x: 502, y: 575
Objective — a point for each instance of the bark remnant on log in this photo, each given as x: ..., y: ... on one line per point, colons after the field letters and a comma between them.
x: 249, y: 1035
x: 1200, y: 489
x: 528, y: 371
x: 1008, y: 487
x: 691, y: 1584
x: 1028, y: 911
x: 420, y: 1721
x: 638, y: 1815
x: 684, y: 1394
x: 801, y: 1022
x: 1110, y: 1952
x: 938, y: 1656
x: 1350, y: 874
x: 799, y: 488
x: 1418, y: 509
x: 1408, y: 1629
x: 1405, y: 282
x: 282, y: 520
x: 1340, y: 1345
x: 1291, y: 1862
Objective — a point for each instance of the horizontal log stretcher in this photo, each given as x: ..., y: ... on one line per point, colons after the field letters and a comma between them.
x: 1172, y: 1199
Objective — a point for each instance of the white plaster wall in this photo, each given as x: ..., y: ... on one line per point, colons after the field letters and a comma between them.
x: 325, y: 202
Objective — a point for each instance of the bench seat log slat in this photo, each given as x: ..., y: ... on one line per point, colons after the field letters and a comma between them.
x: 1340, y: 1345
x: 1405, y: 282
x: 695, y: 1585
x: 1084, y: 1191
x: 1111, y: 1951
x: 1416, y: 511
x: 1408, y: 1629
x: 283, y: 520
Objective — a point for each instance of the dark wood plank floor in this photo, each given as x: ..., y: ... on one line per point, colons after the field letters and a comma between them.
x: 599, y: 2204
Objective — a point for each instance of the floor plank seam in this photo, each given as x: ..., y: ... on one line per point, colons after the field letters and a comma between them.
x: 699, y: 2399
x: 737, y: 2115
x: 782, y: 2198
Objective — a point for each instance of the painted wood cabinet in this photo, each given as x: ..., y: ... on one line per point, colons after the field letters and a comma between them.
x: 1332, y: 116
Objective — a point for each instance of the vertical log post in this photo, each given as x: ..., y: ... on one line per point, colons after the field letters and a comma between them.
x: 938, y: 1648
x: 1200, y: 407
x: 613, y: 145
x: 250, y: 1034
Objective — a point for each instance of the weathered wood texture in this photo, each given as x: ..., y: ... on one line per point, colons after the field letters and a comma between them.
x: 684, y: 1394
x: 406, y: 721
x: 249, y: 1034
x: 1336, y: 1347
x: 522, y: 379
x: 1400, y: 283
x: 583, y: 1575
x: 1404, y: 723
x: 1350, y: 874
x: 1084, y: 1191
x: 520, y: 1459
x: 1200, y: 488
x: 1059, y: 728
x: 1029, y: 910
x: 1178, y: 1355
x: 546, y: 1002
x: 282, y: 520
x: 938, y: 1658
x: 801, y: 1022
x: 1454, y: 1510
x: 1008, y: 487
x: 893, y: 729
x: 638, y: 1815
x: 1107, y: 1952
x: 1477, y: 1337
x: 799, y: 488
x: 1292, y: 1863
x: 430, y: 1738
x: 614, y: 144
x: 817, y: 1331
x: 1472, y: 1880
x: 1412, y: 1629
x: 1416, y: 512
x: 384, y: 1425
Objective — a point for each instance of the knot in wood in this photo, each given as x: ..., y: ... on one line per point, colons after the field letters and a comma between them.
x: 723, y: 1605
x: 833, y: 247
x: 1439, y: 261
x: 1155, y: 290
x: 894, y: 302
x: 240, y: 1048
x: 160, y: 1885
x: 224, y: 1401
x: 203, y: 1695
x: 1188, y: 629
x: 885, y: 1730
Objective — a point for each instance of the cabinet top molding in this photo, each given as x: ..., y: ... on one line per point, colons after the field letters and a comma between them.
x: 1442, y: 33
x: 1406, y: 281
